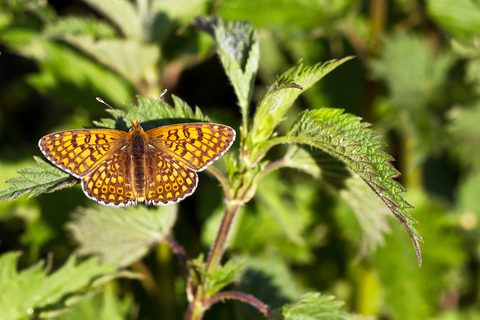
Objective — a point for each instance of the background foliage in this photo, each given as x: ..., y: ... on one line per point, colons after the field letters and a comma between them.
x: 416, y: 76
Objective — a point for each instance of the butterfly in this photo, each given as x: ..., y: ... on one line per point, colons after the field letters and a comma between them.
x: 119, y: 168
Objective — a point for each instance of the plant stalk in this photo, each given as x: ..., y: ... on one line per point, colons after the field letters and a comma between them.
x: 221, y: 296
x: 219, y: 246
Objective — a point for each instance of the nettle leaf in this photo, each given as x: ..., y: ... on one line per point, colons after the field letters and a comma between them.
x: 238, y: 49
x: 48, y: 178
x: 121, y: 236
x: 315, y: 306
x: 103, y: 306
x: 347, y: 139
x: 224, y: 275
x: 79, y: 25
x: 159, y: 115
x: 281, y: 95
x: 368, y: 210
x: 32, y: 291
x: 271, y: 279
x: 122, y: 14
x: 37, y: 180
x: 461, y: 17
x: 136, y: 56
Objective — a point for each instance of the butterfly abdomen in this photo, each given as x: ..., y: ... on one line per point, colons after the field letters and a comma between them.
x: 137, y: 147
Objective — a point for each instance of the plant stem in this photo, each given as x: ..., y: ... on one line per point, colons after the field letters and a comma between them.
x: 218, y: 247
x: 221, y: 296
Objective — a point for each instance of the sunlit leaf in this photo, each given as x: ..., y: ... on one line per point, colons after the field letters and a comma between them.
x: 281, y: 95
x: 37, y: 180
x: 315, y: 306
x: 224, y: 275
x: 347, y: 139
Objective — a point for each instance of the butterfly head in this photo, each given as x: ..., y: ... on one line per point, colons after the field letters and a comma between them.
x: 135, y: 126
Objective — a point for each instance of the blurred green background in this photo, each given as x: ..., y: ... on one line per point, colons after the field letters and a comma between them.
x: 416, y: 77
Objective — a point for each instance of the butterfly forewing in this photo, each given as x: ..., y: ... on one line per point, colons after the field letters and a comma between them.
x: 80, y: 151
x: 111, y: 182
x: 168, y: 180
x: 195, y: 144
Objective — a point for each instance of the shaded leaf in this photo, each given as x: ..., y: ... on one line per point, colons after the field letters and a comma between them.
x: 410, y: 292
x: 413, y: 72
x: 270, y: 279
x: 37, y: 180
x: 103, y: 306
x: 31, y: 291
x: 347, y: 139
x: 461, y: 17
x: 315, y: 306
x: 121, y: 236
x: 281, y: 95
x: 465, y: 133
x: 238, y: 49
x: 122, y: 14
x: 369, y: 211
x: 79, y: 26
x: 136, y: 57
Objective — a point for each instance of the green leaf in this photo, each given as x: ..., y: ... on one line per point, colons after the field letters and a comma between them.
x: 407, y: 291
x: 369, y: 213
x: 412, y: 70
x: 122, y: 14
x: 347, y: 139
x: 297, y: 17
x: 103, y: 306
x: 461, y: 17
x: 224, y: 275
x: 48, y: 178
x: 37, y: 180
x: 270, y: 279
x: 238, y: 49
x: 315, y: 306
x: 465, y: 135
x: 280, y: 97
x: 79, y: 26
x: 159, y: 115
x: 135, y: 59
x: 121, y: 236
x: 31, y: 291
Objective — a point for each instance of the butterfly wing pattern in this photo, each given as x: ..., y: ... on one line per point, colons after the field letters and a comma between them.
x: 183, y: 149
x: 119, y: 168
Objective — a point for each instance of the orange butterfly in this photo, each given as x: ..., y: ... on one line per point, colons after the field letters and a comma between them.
x: 119, y: 168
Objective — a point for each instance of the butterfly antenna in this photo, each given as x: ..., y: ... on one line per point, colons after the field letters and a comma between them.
x: 100, y: 100
x: 161, y: 95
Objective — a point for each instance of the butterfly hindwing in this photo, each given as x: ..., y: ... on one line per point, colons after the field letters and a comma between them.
x: 197, y: 145
x: 168, y: 180
x: 80, y: 151
x: 111, y: 183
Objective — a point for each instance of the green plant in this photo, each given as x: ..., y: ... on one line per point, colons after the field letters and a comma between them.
x: 343, y: 153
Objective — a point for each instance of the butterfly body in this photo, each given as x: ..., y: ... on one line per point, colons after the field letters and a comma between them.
x: 120, y: 168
